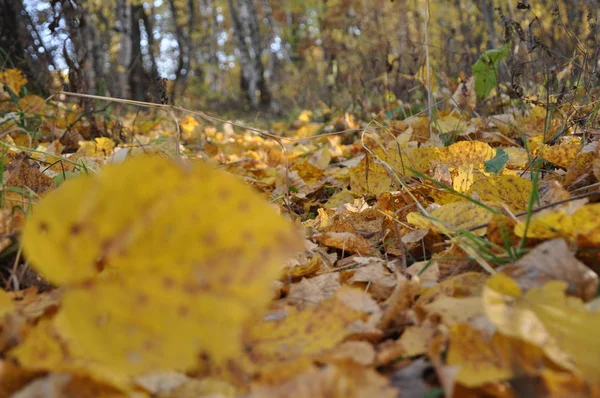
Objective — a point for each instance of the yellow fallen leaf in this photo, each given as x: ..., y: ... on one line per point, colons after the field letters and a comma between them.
x: 181, y: 272
x: 467, y: 152
x: 560, y: 325
x: 452, y: 216
x: 464, y: 178
x: 511, y: 190
x: 305, y: 333
x: 483, y: 359
x: 6, y: 304
x: 517, y: 157
x: 13, y: 79
x: 582, y: 224
x: 563, y: 154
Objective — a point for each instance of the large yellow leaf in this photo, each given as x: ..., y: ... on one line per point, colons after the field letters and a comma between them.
x: 188, y: 255
x: 468, y: 152
x: 452, y: 216
x: 582, y: 225
x: 511, y: 190
x: 560, y: 325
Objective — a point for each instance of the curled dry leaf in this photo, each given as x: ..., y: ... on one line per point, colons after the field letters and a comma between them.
x: 552, y: 260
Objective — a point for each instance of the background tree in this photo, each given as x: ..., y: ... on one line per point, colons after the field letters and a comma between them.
x: 363, y: 56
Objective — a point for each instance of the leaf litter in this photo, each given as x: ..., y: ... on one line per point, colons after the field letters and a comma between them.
x: 217, y: 260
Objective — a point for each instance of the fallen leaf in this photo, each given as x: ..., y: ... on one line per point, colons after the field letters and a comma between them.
x: 158, y: 293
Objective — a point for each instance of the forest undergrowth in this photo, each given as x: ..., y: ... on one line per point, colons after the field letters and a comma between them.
x: 154, y: 251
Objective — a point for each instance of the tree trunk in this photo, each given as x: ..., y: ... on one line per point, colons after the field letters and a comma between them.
x: 247, y: 37
x: 124, y: 61
x: 138, y: 78
x: 183, y: 58
x: 18, y: 45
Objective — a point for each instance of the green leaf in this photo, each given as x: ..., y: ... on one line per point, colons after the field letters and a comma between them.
x: 485, y: 70
x: 497, y: 163
x: 62, y: 177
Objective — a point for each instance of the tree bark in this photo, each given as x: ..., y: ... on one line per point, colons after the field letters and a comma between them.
x: 19, y: 49
x: 183, y: 58
x: 247, y: 37
x: 138, y: 78
x: 124, y: 61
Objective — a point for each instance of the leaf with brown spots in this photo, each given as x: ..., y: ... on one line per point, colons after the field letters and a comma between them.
x: 180, y: 272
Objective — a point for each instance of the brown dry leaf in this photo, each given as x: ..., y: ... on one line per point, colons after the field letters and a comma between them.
x: 25, y: 183
x: 465, y: 96
x: 356, y: 229
x: 553, y: 260
x: 204, y: 388
x: 346, y: 241
x: 333, y: 381
x: 468, y: 284
x: 500, y: 231
x: 374, y: 274
x: 310, y: 292
x: 14, y: 378
x: 395, y: 309
x: 358, y: 352
x: 415, y: 341
x: 579, y: 172
x: 563, y: 384
x: 32, y: 304
x: 161, y: 381
x: 452, y: 310
x: 7, y: 228
x: 60, y: 385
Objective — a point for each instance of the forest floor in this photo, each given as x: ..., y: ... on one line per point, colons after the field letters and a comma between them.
x: 163, y: 252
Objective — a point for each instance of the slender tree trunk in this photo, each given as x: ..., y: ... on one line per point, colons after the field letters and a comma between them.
x: 18, y: 47
x: 138, y: 78
x: 210, y: 28
x: 487, y: 9
x: 183, y: 58
x: 149, y: 28
x: 247, y: 37
x: 124, y: 61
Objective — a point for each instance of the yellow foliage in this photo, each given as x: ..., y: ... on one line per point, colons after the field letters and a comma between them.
x: 467, y: 152
x: 451, y: 217
x: 161, y: 299
x: 301, y: 333
x: 560, y: 325
x: 13, y: 79
x: 561, y: 155
x: 583, y: 224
